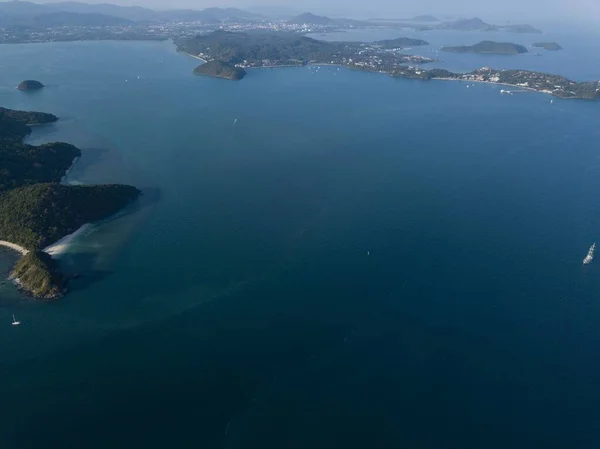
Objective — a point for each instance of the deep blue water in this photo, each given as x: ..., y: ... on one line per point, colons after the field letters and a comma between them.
x: 360, y: 261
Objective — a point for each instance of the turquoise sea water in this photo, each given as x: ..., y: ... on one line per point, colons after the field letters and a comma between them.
x: 360, y: 261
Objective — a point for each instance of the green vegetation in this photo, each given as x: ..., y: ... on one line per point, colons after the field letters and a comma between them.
x: 261, y: 49
x: 556, y: 85
x: 220, y: 69
x: 237, y: 48
x: 36, y: 216
x: 38, y: 275
x: 489, y: 47
x: 401, y: 42
x: 35, y: 210
x: 30, y: 85
x: 552, y: 46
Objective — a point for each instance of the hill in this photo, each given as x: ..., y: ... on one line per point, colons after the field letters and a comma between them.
x: 424, y: 18
x: 476, y: 24
x: 63, y: 18
x: 489, y: 47
x: 220, y: 69
x: 235, y: 48
x: 401, y: 42
x: 38, y: 274
x: 308, y: 18
x: 37, y: 215
x: 552, y: 46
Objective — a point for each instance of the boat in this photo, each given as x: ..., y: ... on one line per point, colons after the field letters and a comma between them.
x: 590, y: 255
x: 15, y: 322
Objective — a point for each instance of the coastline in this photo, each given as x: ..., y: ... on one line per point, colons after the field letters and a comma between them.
x: 14, y: 246
x: 193, y: 56
x: 61, y: 246
x: 523, y: 88
x: 69, y: 170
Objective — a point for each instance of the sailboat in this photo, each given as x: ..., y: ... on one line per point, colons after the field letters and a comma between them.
x: 590, y: 255
x: 15, y: 322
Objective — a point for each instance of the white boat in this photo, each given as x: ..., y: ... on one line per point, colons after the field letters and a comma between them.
x: 15, y: 322
x: 590, y: 255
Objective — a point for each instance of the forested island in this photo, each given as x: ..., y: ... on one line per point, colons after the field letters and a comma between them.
x: 220, y: 69
x: 489, y: 47
x: 551, y: 46
x: 30, y: 85
x: 35, y: 209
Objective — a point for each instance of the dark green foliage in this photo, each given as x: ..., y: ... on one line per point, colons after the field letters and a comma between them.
x: 38, y: 215
x: 35, y: 210
x: 489, y: 47
x: 38, y: 275
x: 30, y: 85
x: 401, y: 42
x: 22, y: 164
x: 235, y: 48
x: 28, y: 117
x: 220, y: 69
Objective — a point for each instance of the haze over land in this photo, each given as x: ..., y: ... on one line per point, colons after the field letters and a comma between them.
x: 586, y: 10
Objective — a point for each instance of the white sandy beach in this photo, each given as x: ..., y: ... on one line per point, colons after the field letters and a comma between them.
x: 63, y: 244
x: 14, y: 246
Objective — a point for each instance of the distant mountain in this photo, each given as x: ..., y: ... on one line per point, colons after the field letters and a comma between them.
x: 474, y: 24
x: 23, y: 8
x: 425, y: 18
x: 489, y: 47
x: 134, y: 13
x: 552, y: 46
x: 23, y: 13
x: 312, y: 19
x: 61, y: 19
x: 277, y: 12
x: 401, y: 42
x: 519, y: 29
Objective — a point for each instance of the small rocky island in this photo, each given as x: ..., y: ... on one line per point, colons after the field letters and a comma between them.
x: 36, y: 210
x: 29, y: 85
x: 551, y: 46
x: 489, y: 47
x: 220, y: 69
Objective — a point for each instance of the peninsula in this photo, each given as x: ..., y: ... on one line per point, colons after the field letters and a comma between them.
x: 260, y: 49
x: 551, y: 46
x: 489, y: 47
x: 556, y: 85
x: 220, y: 69
x: 35, y: 209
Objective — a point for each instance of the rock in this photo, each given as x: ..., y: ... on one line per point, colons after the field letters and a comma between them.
x: 30, y: 85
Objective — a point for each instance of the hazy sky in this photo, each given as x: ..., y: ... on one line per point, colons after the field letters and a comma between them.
x: 509, y: 9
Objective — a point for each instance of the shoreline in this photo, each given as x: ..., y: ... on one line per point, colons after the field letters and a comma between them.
x: 14, y: 247
x: 69, y: 170
x: 193, y: 56
x: 61, y: 246
x: 494, y: 84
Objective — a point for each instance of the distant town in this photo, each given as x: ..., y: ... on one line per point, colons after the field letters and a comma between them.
x: 22, y: 22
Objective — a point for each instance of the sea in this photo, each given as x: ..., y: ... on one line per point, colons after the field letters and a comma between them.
x: 322, y: 257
